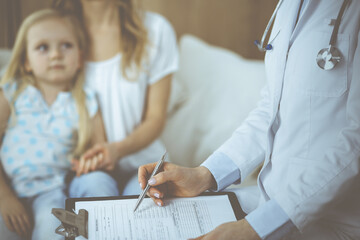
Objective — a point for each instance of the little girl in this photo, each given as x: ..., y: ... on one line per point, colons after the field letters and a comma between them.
x: 46, y: 119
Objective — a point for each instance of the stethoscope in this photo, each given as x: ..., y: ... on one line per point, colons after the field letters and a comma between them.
x: 327, y: 58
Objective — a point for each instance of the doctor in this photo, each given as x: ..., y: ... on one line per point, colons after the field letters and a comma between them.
x: 306, y: 127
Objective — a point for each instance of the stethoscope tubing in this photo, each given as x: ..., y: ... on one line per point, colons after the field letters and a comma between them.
x: 261, y: 44
x: 334, y: 34
x: 333, y: 56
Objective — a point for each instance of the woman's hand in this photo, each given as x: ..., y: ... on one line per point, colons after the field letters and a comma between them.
x: 240, y: 230
x: 84, y: 166
x: 176, y: 181
x: 15, y: 215
x: 101, y: 156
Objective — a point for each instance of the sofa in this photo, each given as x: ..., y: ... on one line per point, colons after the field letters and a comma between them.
x: 212, y: 93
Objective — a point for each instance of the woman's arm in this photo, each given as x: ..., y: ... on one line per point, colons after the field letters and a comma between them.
x: 13, y: 212
x: 98, y: 129
x: 150, y: 128
x: 154, y: 119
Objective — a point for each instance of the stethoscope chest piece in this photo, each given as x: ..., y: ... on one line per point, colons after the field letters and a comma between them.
x: 327, y: 58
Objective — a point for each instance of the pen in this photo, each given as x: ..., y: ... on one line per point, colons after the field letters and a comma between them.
x: 156, y: 169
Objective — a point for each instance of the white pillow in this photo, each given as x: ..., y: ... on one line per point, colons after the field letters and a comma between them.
x: 222, y: 88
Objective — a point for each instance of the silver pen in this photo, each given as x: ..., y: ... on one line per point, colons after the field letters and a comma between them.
x: 155, y: 171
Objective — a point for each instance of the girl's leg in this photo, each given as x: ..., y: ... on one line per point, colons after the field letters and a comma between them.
x: 128, y: 183
x: 6, y: 233
x: 93, y: 184
x: 45, y: 221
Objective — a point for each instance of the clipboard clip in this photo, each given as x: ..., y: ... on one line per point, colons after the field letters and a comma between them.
x: 72, y: 224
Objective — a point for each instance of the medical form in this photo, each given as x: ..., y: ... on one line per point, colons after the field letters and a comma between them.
x: 180, y: 218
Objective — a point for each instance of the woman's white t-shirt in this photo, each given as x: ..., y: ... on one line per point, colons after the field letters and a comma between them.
x: 122, y: 101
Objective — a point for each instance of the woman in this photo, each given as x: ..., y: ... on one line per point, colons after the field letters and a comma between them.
x: 131, y: 60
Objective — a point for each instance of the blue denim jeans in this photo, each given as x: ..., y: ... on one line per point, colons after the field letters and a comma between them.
x: 132, y: 186
x: 94, y: 184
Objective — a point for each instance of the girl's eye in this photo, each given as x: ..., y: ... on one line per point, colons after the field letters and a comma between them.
x: 67, y: 45
x: 42, y: 47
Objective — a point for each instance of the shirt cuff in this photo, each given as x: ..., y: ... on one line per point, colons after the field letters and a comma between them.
x: 269, y: 221
x: 223, y: 169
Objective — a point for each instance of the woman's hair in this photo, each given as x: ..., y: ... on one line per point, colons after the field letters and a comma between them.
x: 17, y: 73
x: 134, y: 36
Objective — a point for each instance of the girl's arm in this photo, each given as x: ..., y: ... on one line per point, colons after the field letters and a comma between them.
x: 13, y: 212
x: 150, y: 128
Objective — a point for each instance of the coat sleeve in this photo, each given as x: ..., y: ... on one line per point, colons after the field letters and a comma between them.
x: 247, y: 145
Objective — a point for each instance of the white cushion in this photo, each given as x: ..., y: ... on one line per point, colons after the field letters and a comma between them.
x: 221, y: 89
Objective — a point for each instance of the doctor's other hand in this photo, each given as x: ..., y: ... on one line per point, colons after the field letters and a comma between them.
x: 15, y: 216
x: 240, y: 230
x: 173, y: 180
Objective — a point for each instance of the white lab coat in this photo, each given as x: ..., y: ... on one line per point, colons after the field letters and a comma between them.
x: 307, y: 125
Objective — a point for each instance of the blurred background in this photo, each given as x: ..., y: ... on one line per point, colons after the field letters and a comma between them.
x: 232, y: 24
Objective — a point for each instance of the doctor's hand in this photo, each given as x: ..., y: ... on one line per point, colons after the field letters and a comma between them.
x: 175, y: 181
x: 240, y: 230
x: 15, y: 216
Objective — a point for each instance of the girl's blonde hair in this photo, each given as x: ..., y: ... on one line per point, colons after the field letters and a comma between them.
x: 16, y: 72
x: 134, y: 36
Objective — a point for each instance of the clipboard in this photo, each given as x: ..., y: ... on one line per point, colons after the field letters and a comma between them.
x: 81, y: 224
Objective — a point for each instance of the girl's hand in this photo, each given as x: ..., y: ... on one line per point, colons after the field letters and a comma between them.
x: 15, y: 215
x: 101, y: 156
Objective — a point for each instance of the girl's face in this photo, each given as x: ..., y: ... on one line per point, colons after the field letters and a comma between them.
x: 53, y: 54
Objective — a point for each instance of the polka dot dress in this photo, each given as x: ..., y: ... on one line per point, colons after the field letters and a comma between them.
x: 38, y: 142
